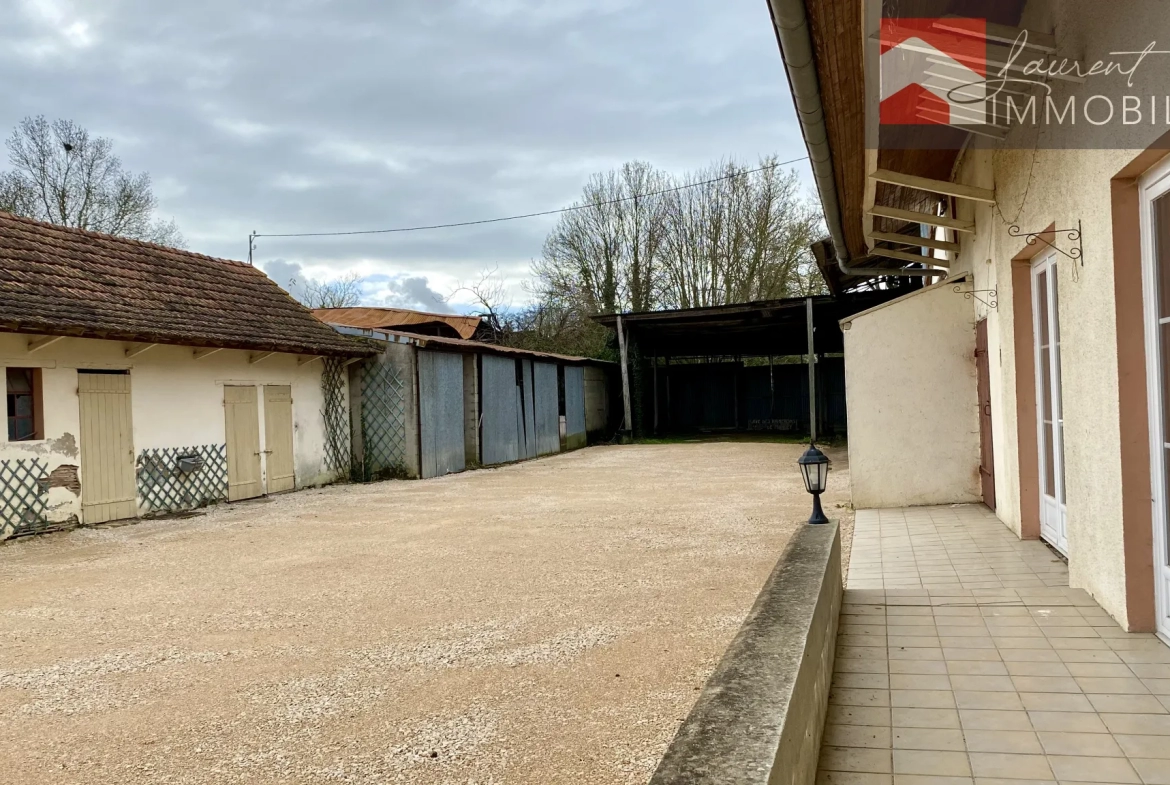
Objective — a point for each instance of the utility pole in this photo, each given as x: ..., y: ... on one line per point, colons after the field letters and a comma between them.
x: 812, y: 373
x: 629, y: 422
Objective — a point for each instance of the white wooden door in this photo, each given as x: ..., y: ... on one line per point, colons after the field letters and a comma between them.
x: 278, y: 438
x: 108, y: 488
x: 242, y: 426
x: 1155, y: 224
x: 1049, y: 410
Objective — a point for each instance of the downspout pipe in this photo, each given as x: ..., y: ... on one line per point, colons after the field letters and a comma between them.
x: 796, y: 49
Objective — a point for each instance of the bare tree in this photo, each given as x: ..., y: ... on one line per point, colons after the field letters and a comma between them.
x: 62, y: 175
x: 344, y: 292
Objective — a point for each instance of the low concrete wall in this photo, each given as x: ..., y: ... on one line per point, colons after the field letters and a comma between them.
x: 760, y: 717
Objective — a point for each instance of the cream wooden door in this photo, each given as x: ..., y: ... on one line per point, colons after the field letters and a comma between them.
x: 1049, y: 405
x: 242, y: 426
x: 108, y: 488
x: 278, y: 437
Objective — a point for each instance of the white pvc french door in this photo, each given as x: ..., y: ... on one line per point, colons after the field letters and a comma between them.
x: 1049, y: 410
x: 1155, y: 222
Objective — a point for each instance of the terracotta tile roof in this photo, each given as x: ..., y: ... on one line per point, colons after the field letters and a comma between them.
x: 398, y: 318
x: 60, y: 281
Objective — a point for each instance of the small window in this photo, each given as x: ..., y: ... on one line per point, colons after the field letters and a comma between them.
x: 24, y: 404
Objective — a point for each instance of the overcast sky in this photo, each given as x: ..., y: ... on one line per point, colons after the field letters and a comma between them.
x: 310, y: 115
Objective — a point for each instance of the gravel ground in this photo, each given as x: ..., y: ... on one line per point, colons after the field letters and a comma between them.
x: 547, y: 622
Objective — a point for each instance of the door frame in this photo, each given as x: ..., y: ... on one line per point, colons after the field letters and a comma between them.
x: 1153, y: 185
x: 1047, y: 262
x: 986, y: 427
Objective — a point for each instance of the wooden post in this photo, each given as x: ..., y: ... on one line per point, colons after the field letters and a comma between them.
x: 812, y: 373
x: 629, y: 421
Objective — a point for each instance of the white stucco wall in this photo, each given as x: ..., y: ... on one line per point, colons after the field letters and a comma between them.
x: 913, y: 413
x: 177, y: 401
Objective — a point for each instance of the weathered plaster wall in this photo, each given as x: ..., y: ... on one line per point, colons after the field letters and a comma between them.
x: 913, y: 412
x: 177, y: 401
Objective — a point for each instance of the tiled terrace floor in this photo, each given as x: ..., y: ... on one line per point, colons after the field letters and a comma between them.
x: 964, y: 657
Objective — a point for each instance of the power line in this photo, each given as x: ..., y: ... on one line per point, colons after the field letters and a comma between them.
x: 252, y: 237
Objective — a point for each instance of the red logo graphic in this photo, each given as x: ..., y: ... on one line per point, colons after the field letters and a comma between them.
x: 933, y: 71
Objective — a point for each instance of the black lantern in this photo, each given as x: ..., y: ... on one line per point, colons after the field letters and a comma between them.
x: 814, y: 465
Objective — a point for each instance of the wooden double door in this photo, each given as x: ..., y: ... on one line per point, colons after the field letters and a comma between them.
x: 254, y: 470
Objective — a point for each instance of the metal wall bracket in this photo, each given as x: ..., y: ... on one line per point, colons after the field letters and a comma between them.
x: 1076, y: 252
x: 992, y: 300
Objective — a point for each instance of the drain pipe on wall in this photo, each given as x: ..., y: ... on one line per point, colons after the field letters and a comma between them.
x: 796, y: 49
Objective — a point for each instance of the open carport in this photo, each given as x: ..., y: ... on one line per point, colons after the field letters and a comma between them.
x: 546, y: 622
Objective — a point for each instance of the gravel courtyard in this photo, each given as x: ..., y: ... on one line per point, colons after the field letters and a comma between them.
x: 547, y: 622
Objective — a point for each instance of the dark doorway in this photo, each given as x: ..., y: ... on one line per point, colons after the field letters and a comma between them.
x: 986, y: 450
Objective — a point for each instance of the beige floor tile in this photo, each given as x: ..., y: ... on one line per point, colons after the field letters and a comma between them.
x: 1055, y: 701
x: 1046, y: 684
x: 1024, y: 742
x: 1001, y: 764
x: 1112, y: 686
x: 1157, y: 686
x: 1127, y: 704
x: 977, y: 683
x: 860, y: 666
x: 922, y: 699
x: 852, y: 697
x: 1136, y: 746
x: 924, y: 718
x: 1078, y: 655
x: 928, y: 739
x: 871, y: 736
x: 1153, y: 772
x: 1068, y: 721
x: 924, y: 667
x: 1029, y: 655
x: 852, y: 778
x: 920, y: 779
x: 863, y: 681
x: 931, y: 762
x: 915, y: 654
x: 987, y: 655
x: 1050, y: 669
x: 1099, y: 745
x: 1140, y: 724
x: 1080, y: 768
x: 858, y: 715
x: 1098, y: 670
x: 976, y: 668
x: 993, y: 719
x: 855, y: 759
x: 919, y: 682
x: 1150, y: 670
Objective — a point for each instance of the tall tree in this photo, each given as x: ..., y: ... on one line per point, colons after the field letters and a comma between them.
x: 343, y: 292
x: 62, y: 175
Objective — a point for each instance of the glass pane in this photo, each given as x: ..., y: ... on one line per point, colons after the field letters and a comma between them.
x: 1055, y: 301
x: 1045, y: 384
x: 1161, y: 218
x: 1049, y: 469
x: 1164, y: 340
x: 19, y: 380
x: 23, y: 406
x: 1063, y: 493
x: 20, y: 428
x: 1042, y: 304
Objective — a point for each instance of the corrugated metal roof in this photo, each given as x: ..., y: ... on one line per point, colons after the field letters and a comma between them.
x: 457, y: 344
x: 390, y: 318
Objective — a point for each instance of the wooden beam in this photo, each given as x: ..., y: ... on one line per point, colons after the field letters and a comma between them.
x: 957, y: 190
x: 870, y: 196
x: 306, y: 360
x: 351, y: 361
x: 920, y: 242
x: 257, y: 357
x: 913, y: 216
x: 199, y: 354
x: 911, y: 258
x: 36, y: 344
x: 138, y: 349
x: 1001, y: 34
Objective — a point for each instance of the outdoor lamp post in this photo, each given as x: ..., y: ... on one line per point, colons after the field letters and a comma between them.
x: 815, y: 468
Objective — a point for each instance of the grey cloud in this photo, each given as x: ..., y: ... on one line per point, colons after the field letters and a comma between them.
x: 288, y: 275
x: 412, y: 292
x: 361, y: 114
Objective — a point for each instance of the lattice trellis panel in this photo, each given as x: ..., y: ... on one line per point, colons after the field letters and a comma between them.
x: 24, y: 496
x: 383, y: 420
x: 336, y: 416
x: 162, y: 487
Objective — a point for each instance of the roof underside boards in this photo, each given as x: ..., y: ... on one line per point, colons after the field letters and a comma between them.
x: 60, y: 281
x: 451, y: 325
x: 839, y: 44
x: 769, y: 328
